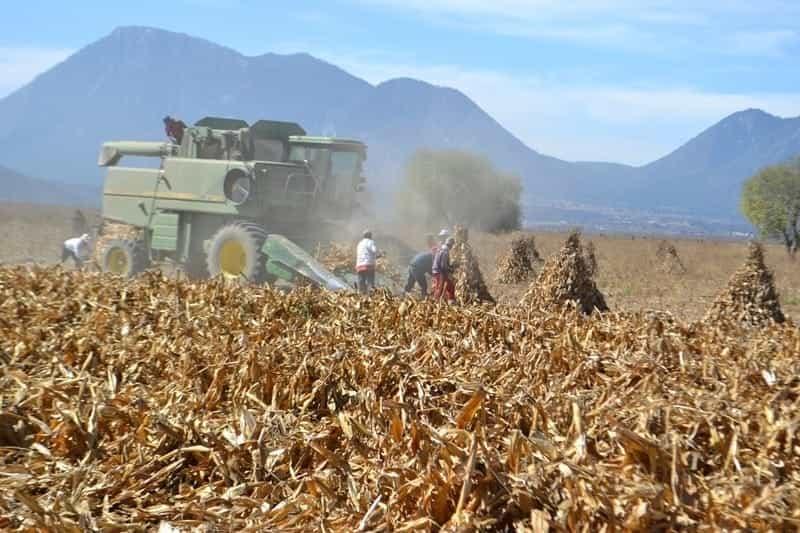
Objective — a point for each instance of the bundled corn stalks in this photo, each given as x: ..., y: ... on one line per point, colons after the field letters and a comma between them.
x: 590, y: 257
x: 750, y: 296
x: 668, y: 259
x: 470, y: 285
x: 517, y: 265
x: 566, y: 279
x: 530, y: 248
x: 177, y: 406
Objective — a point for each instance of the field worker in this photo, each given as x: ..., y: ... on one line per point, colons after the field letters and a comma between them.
x: 420, y: 267
x: 366, y: 258
x: 443, y: 273
x: 443, y: 235
x: 76, y: 248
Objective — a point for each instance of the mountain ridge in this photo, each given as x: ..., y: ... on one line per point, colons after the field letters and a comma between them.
x: 121, y: 85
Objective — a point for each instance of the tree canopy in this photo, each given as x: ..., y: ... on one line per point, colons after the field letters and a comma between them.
x: 452, y: 187
x: 771, y: 202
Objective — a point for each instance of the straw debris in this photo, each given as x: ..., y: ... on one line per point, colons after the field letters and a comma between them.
x: 470, y: 285
x: 169, y: 405
x: 564, y: 280
x: 750, y: 296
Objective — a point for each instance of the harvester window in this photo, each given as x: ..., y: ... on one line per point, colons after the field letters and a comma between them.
x: 268, y: 150
x: 210, y: 148
x: 318, y: 158
x: 345, y: 168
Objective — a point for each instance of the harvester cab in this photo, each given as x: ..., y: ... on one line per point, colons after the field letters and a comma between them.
x: 232, y: 199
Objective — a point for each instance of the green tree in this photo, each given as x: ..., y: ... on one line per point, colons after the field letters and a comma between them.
x: 452, y: 187
x: 771, y: 202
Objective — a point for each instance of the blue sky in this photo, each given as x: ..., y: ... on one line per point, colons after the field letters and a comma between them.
x: 617, y: 80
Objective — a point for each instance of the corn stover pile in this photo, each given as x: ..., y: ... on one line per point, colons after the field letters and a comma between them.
x: 668, y: 259
x: 470, y: 285
x: 517, y: 265
x: 750, y: 296
x: 565, y: 279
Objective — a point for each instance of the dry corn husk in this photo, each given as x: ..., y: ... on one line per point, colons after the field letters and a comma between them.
x: 750, y: 296
x: 170, y: 405
x: 565, y: 280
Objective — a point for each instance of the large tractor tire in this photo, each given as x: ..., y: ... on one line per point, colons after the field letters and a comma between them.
x: 124, y: 257
x: 235, y: 252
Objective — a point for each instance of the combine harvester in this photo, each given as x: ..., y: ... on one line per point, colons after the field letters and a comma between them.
x: 232, y: 199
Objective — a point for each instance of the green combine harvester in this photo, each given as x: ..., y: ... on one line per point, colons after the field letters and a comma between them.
x: 231, y: 199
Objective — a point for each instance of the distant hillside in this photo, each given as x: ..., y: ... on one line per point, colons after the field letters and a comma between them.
x: 122, y: 85
x: 15, y: 187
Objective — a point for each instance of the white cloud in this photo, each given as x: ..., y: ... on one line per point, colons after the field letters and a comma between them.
x: 643, y: 25
x: 19, y: 65
x: 588, y: 122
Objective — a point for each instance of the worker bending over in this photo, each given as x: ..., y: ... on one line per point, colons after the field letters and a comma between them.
x: 420, y: 267
x: 76, y: 249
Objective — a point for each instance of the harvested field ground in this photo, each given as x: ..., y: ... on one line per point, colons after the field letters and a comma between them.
x: 629, y: 274
x: 159, y: 402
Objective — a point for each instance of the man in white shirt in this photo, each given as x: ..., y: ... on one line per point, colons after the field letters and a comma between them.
x: 76, y: 248
x: 366, y: 258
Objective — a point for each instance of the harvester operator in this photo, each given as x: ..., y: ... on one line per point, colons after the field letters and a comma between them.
x: 174, y: 129
x: 77, y: 249
x: 367, y: 255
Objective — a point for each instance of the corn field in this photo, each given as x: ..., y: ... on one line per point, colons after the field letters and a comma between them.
x: 160, y: 403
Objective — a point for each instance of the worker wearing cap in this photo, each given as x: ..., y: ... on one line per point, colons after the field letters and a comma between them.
x: 445, y: 287
x: 420, y: 267
x: 442, y: 236
x: 366, y: 259
x: 77, y: 249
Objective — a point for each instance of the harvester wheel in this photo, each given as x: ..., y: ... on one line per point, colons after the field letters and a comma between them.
x: 124, y: 258
x: 235, y: 252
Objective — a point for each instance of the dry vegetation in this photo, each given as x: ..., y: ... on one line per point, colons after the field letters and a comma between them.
x: 127, y: 405
x: 204, y: 405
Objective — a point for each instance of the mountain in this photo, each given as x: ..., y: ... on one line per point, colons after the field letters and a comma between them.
x: 122, y: 85
x: 16, y: 187
x: 714, y: 164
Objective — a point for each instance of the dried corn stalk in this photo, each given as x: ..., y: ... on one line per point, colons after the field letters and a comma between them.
x: 162, y: 404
